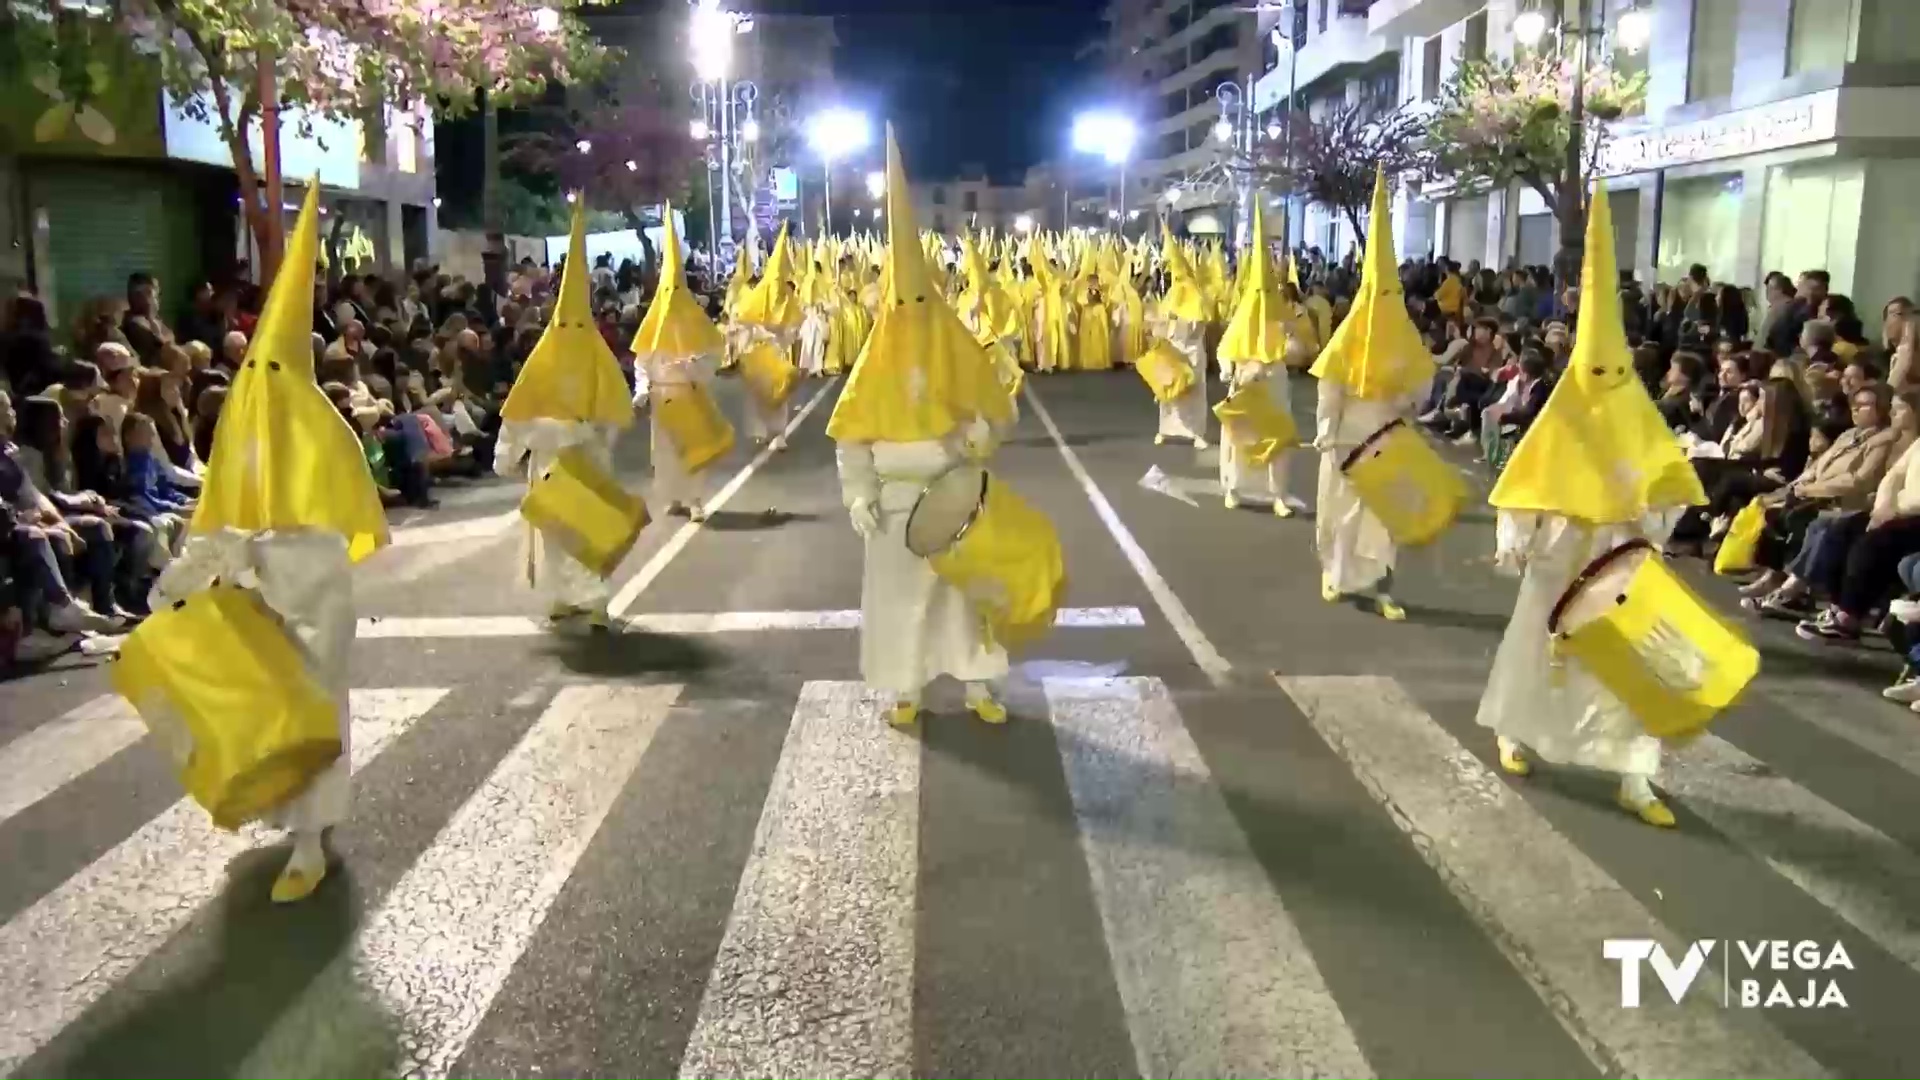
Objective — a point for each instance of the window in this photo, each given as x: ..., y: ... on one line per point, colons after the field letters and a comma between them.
x: 1474, y: 46
x: 939, y: 222
x: 1430, y: 69
x: 1173, y: 104
x: 406, y: 145
x: 1322, y: 21
x: 970, y: 202
x: 1710, y: 52
x: 939, y: 196
x: 1816, y: 40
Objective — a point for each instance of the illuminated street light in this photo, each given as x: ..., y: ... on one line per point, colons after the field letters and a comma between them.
x: 711, y: 34
x: 1113, y: 214
x: 585, y: 146
x: 546, y: 21
x: 837, y: 132
x: 1133, y: 215
x: 1173, y: 195
x: 1634, y: 30
x: 632, y: 165
x: 856, y: 211
x: 698, y: 129
x: 1273, y: 130
x: 1023, y: 223
x: 1108, y: 134
x: 571, y: 196
x: 1222, y: 130
x: 1529, y: 27
x: 750, y: 130
x: 876, y: 185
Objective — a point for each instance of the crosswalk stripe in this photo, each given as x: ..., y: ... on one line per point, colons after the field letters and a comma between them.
x: 45, y: 759
x: 1213, y: 974
x: 693, y: 622
x: 815, y: 974
x: 68, y: 949
x: 1853, y: 869
x: 1542, y: 900
x: 442, y: 944
x: 1887, y: 731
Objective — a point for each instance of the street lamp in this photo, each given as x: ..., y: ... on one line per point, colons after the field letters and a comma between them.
x: 1111, y: 135
x: 711, y: 30
x: 750, y: 130
x: 1023, y: 223
x: 585, y: 146
x: 834, y: 134
x: 1235, y: 128
x: 876, y: 185
x: 699, y: 130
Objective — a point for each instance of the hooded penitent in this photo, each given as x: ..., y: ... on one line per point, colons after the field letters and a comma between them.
x: 921, y: 375
x: 1185, y: 300
x: 1258, y: 326
x: 283, y: 456
x: 769, y: 303
x: 571, y: 374
x: 1377, y: 353
x: 1599, y: 451
x: 676, y: 325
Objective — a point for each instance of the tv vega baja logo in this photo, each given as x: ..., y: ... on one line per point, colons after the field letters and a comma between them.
x: 1753, y: 974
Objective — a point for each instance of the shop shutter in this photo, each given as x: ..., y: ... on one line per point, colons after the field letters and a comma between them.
x: 102, y: 224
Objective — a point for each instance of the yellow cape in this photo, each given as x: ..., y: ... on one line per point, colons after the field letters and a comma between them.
x: 1599, y: 451
x: 676, y: 326
x: 1375, y: 351
x: 571, y: 374
x: 921, y: 374
x: 283, y: 456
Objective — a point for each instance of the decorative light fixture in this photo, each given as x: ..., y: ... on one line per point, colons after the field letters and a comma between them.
x: 1222, y: 130
x: 1023, y: 223
x: 876, y: 184
x: 632, y: 165
x: 698, y: 129
x: 750, y: 130
x: 1529, y: 27
x: 1273, y: 129
x: 1635, y: 29
x: 585, y: 146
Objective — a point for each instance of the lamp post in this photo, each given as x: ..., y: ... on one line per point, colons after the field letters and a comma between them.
x: 836, y: 133
x: 1111, y: 135
x: 1294, y: 14
x: 711, y: 33
x: 1236, y: 129
x: 1631, y: 33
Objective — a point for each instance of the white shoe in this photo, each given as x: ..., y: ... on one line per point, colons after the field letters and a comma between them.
x: 39, y: 646
x: 778, y: 444
x: 76, y: 616
x: 1201, y: 444
x: 1231, y: 501
x: 697, y: 514
x: 1905, y: 609
x: 1906, y: 692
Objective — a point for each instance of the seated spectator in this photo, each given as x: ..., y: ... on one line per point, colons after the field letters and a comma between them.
x: 206, y: 419
x: 1503, y: 422
x: 1764, y: 452
x: 33, y: 528
x: 1863, y: 579
x: 92, y: 541
x: 233, y: 351
x: 350, y: 345
x: 162, y: 400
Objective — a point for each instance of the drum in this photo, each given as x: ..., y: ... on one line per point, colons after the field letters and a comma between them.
x: 1403, y: 481
x: 576, y: 505
x: 246, y: 734
x: 1258, y: 426
x: 694, y: 424
x: 1638, y: 629
x: 768, y: 373
x: 996, y: 548
x: 1166, y: 370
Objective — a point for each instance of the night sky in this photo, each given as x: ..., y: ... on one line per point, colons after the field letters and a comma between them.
x: 965, y: 82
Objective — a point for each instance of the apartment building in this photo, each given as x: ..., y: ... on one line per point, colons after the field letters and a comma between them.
x: 1776, y: 135
x: 953, y: 207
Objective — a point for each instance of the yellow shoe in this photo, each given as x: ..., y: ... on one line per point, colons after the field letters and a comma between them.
x: 1391, y: 611
x: 989, y: 710
x: 294, y: 885
x: 1232, y: 501
x: 1159, y: 440
x: 1328, y: 592
x: 1513, y: 761
x: 1654, y: 812
x: 600, y: 619
x: 903, y: 714
x: 1281, y: 509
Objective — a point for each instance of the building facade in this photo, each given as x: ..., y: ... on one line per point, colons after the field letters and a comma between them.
x: 1776, y: 135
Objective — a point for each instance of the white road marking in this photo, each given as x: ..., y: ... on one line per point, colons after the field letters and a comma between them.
x: 443, y: 942
x: 479, y: 528
x: 1853, y: 869
x: 677, y: 543
x: 1213, y: 975
x: 815, y: 975
x: 66, y: 951
x: 1885, y: 730
x: 722, y: 622
x: 46, y: 759
x: 1204, y: 654
x: 1540, y: 899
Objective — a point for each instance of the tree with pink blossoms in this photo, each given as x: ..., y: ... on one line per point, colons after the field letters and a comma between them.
x: 238, y: 63
x: 1499, y: 121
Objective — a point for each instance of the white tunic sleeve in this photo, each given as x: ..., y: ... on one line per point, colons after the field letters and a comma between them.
x: 1514, y: 535
x: 1333, y: 399
x: 859, y: 479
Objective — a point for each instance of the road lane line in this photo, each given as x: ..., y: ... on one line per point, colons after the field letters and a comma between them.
x: 676, y: 543
x: 815, y: 975
x: 1886, y: 731
x: 722, y: 622
x: 1204, y: 654
x: 1851, y: 868
x: 1214, y: 976
x: 70, y: 948
x: 446, y: 937
x: 52, y: 755
x: 1542, y: 902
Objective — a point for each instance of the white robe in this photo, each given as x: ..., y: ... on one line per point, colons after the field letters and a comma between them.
x: 672, y: 483
x: 816, y: 328
x: 1554, y: 707
x: 1356, y: 552
x: 1243, y: 478
x: 913, y: 626
x: 306, y: 578
x: 559, y: 578
x: 1185, y: 417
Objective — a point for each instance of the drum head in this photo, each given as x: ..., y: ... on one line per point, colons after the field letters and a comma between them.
x: 1595, y: 594
x: 945, y: 509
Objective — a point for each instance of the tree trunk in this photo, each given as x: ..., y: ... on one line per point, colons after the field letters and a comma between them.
x: 1352, y: 214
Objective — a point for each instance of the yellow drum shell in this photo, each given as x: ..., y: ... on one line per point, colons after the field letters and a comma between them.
x: 1166, y: 371
x: 1255, y: 423
x: 769, y: 373
x: 999, y: 550
x: 1402, y: 480
x: 576, y: 505
x: 1652, y: 642
x: 219, y: 680
x: 694, y: 424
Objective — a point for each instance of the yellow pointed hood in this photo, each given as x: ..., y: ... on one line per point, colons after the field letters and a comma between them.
x: 769, y: 303
x: 571, y: 373
x: 740, y: 281
x: 994, y: 310
x: 283, y: 456
x: 1263, y: 320
x: 921, y: 374
x: 1087, y: 277
x: 1599, y: 451
x: 1184, y: 299
x: 1376, y: 351
x: 676, y: 326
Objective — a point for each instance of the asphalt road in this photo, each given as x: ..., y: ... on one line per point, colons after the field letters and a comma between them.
x: 1231, y: 830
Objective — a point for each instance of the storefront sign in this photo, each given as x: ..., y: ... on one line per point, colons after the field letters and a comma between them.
x: 1794, y: 122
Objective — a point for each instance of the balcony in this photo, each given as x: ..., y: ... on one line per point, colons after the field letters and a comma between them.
x: 1397, y: 20
x: 1347, y: 42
